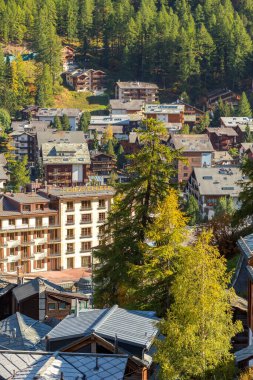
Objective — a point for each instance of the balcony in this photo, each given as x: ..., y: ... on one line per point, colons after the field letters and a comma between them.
x: 72, y: 252
x: 85, y: 236
x: 86, y: 222
x: 101, y: 220
x: 40, y: 255
x: 70, y: 237
x: 85, y: 250
x: 13, y: 258
x: 101, y: 207
x: 71, y: 209
x: 54, y: 240
x: 70, y: 223
x: 85, y: 208
x: 53, y: 255
x: 41, y: 240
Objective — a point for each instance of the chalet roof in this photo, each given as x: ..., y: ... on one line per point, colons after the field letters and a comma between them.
x: 223, y: 131
x: 32, y: 287
x: 245, y: 245
x: 219, y: 181
x: 33, y: 126
x: 233, y: 121
x: 219, y: 156
x: 53, y: 136
x: 26, y: 198
x: 20, y: 332
x: 109, y: 120
x: 192, y: 143
x: 179, y: 101
x: 163, y: 108
x: 65, y: 153
x: 81, y: 191
x: 134, y: 327
x: 9, y: 209
x: 137, y: 85
x: 102, y: 128
x: 48, y: 366
x: 132, y: 105
x: 51, y: 112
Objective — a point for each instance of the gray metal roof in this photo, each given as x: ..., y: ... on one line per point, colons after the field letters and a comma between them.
x: 32, y: 287
x: 132, y: 105
x: 51, y: 112
x: 137, y: 85
x: 223, y: 131
x: 51, y: 365
x: 246, y: 245
x: 60, y: 137
x: 244, y: 354
x: 30, y: 198
x: 219, y: 181
x: 131, y: 326
x: 20, y: 332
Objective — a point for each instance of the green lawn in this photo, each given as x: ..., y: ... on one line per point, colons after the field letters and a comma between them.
x: 83, y: 100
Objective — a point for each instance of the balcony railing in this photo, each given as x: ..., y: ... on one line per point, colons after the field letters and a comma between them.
x: 70, y: 237
x: 86, y: 222
x: 72, y: 252
x: 85, y: 236
x: 85, y: 208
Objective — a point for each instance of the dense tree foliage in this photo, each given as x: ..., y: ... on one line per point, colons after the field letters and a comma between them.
x: 198, y: 327
x: 129, y: 222
x: 191, y: 45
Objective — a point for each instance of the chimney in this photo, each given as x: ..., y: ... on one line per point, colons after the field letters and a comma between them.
x: 77, y: 308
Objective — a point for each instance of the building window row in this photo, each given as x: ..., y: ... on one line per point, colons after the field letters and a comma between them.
x: 85, y: 218
x: 86, y: 205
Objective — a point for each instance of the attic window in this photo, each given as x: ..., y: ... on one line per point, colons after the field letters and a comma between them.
x: 62, y: 306
x: 209, y: 177
x: 51, y: 306
x: 228, y: 188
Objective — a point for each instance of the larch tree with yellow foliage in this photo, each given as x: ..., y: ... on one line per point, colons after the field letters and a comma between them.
x: 165, y: 239
x: 198, y: 327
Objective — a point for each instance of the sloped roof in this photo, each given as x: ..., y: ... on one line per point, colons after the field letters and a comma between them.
x: 32, y: 287
x: 51, y: 365
x: 60, y: 137
x: 20, y: 332
x: 132, y: 105
x: 137, y: 85
x: 223, y: 131
x: 192, y: 143
x: 65, y: 153
x: 244, y: 354
x: 131, y: 326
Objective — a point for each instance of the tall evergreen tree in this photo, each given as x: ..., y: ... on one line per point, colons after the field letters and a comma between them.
x: 199, y: 326
x: 244, y: 108
x: 44, y: 95
x: 19, y: 174
x: 65, y: 123
x: 149, y: 172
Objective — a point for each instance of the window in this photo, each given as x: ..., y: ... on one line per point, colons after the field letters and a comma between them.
x: 39, y: 207
x: 39, y: 264
x: 13, y: 266
x: 85, y: 246
x: 25, y: 221
x: 85, y: 261
x: 101, y: 230
x: 62, y: 306
x: 86, y: 232
x: 185, y: 174
x: 39, y: 234
x: 86, y: 205
x: 101, y: 216
x: 11, y: 222
x: 70, y: 206
x: 12, y: 251
x: 70, y: 234
x: 70, y: 263
x: 26, y: 207
x: 39, y: 249
x: 86, y: 218
x: 51, y: 220
x: 101, y: 203
x: 38, y: 222
x: 51, y: 306
x: 70, y: 248
x: 70, y: 219
x: 12, y: 237
x: 186, y: 168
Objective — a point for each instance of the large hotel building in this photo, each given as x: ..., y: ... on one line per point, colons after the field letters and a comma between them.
x: 52, y: 229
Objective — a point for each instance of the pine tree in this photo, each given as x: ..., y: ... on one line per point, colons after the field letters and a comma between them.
x: 244, y: 108
x: 192, y: 211
x: 44, y: 95
x: 84, y: 122
x: 19, y: 174
x: 149, y: 172
x: 166, y: 237
x: 57, y: 123
x: 95, y: 142
x: 110, y: 148
x: 120, y: 157
x: 198, y: 327
x: 65, y: 123
x: 5, y: 120
x: 225, y: 206
x: 185, y: 130
x: 248, y: 135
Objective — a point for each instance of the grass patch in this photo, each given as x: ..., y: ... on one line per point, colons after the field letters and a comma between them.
x: 72, y: 99
x: 232, y: 262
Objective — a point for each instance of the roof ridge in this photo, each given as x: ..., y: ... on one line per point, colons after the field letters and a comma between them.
x: 105, y: 317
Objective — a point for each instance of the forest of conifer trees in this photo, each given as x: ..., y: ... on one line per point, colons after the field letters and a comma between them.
x: 181, y: 44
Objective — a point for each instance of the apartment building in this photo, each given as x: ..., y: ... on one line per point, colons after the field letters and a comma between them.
x: 29, y: 233
x: 82, y: 214
x: 127, y: 91
x: 167, y: 113
x: 65, y: 164
x: 52, y: 230
x: 48, y: 114
x: 86, y: 80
